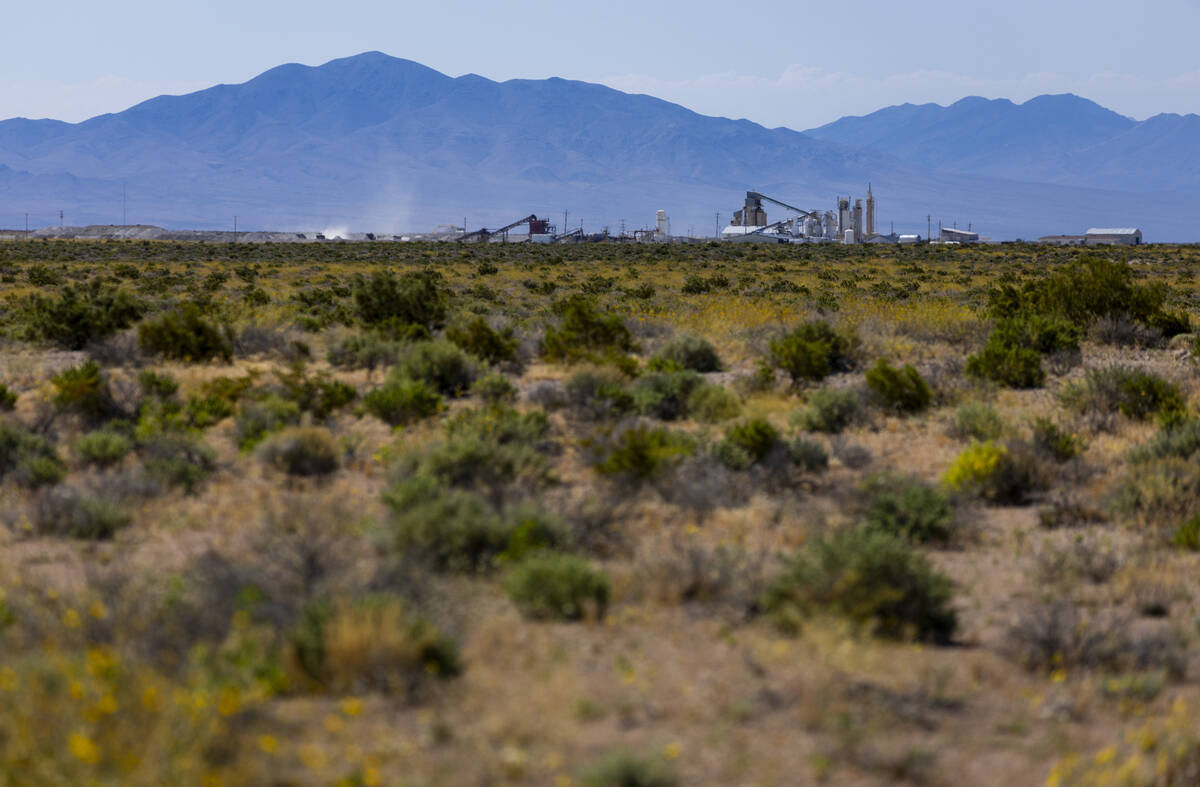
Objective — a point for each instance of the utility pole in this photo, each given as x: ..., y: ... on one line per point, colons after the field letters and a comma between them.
x: 60, y: 219
x: 26, y: 226
x: 565, y: 214
x: 928, y: 227
x: 622, y: 229
x: 717, y: 224
x: 235, y: 229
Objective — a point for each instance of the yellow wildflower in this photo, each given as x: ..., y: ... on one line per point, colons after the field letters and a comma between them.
x: 228, y: 702
x: 71, y: 619
x: 84, y: 748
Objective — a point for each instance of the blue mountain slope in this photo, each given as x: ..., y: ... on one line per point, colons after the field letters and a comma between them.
x: 380, y: 143
x: 1051, y: 139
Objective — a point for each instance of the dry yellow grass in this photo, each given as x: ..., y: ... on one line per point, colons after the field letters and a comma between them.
x: 683, y: 666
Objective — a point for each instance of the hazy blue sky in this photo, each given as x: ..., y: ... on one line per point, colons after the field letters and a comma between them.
x: 783, y: 63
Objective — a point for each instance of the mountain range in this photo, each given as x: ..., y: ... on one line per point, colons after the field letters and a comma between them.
x: 377, y: 143
x: 1060, y: 139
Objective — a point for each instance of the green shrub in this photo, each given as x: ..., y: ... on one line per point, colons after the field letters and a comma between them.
x: 641, y: 452
x: 712, y: 403
x: 1044, y: 335
x: 39, y: 471
x: 557, y: 587
x: 204, y: 411
x: 217, y: 398
x: 664, y: 395
x: 1015, y: 367
x: 808, y: 454
x: 1135, y: 393
x: 1187, y: 535
x: 1014, y: 350
x: 455, y: 530
x: 585, y: 333
x: 401, y: 401
x: 66, y: 512
x: 481, y: 340
x: 8, y: 399
x: 748, y: 443
x: 1158, y: 493
x: 908, y: 508
x: 495, y: 388
x: 690, y: 352
x: 903, y: 390
x: 178, y: 459
x: 185, y: 334
x: 303, y: 451
x: 157, y: 385
x: 257, y: 419
x: 531, y: 531
x: 78, y: 316
x: 83, y: 390
x: 1180, y: 440
x: 1008, y: 473
x: 869, y: 576
x: 486, y: 450
x: 695, y: 285
x: 977, y: 421
x: 413, y: 298
x: 811, y: 352
x: 1055, y: 441
x: 1086, y: 290
x: 829, y: 410
x: 365, y: 351
x: 599, y: 393
x: 103, y: 448
x: 28, y: 458
x: 622, y: 769
x: 442, y: 365
x: 320, y: 395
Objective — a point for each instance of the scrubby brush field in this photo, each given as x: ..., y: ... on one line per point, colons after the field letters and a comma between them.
x: 405, y: 514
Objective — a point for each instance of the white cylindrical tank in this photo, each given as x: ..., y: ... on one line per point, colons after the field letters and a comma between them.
x: 849, y: 238
x: 662, y: 224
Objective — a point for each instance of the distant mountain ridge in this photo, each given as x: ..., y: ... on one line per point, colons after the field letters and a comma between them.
x: 1062, y: 139
x: 378, y: 143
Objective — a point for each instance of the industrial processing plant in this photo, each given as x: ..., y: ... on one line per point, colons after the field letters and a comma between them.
x: 852, y: 221
x: 847, y: 225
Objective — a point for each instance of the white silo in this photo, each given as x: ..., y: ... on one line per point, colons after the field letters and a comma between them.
x: 661, y: 232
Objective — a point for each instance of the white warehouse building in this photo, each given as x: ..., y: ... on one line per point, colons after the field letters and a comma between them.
x: 1108, y: 236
